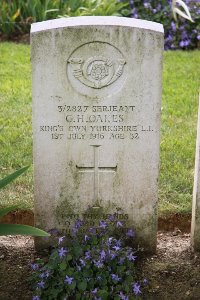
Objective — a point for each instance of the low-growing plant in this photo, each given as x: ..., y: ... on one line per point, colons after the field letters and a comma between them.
x: 92, y: 263
x: 97, y: 8
x: 179, y: 34
x: 13, y: 229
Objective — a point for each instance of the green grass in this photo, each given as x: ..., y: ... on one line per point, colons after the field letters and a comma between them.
x: 178, y: 134
x: 15, y: 122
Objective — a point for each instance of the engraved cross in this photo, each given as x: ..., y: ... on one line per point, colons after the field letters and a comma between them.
x: 96, y: 169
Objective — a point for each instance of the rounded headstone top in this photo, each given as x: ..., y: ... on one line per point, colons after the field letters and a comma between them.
x: 96, y: 21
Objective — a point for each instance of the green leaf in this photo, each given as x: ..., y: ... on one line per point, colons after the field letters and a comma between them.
x: 82, y: 285
x: 72, y: 286
x: 11, y: 177
x: 14, y: 229
x: 103, y: 294
x: 78, y: 296
x: 6, y: 210
x: 51, y: 10
x: 77, y: 251
x: 63, y: 265
x: 69, y: 257
x: 70, y: 271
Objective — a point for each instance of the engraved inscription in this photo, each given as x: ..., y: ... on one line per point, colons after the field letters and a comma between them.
x: 92, y: 219
x: 96, y: 169
x: 96, y: 69
x: 97, y: 122
x: 96, y: 72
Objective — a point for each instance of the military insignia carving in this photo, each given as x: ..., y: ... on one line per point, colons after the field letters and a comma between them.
x: 96, y: 72
x: 96, y: 69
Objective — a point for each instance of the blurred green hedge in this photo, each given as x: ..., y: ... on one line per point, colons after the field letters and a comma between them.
x: 17, y: 15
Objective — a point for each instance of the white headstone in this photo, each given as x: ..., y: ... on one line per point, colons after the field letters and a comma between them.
x: 195, y: 228
x: 96, y: 121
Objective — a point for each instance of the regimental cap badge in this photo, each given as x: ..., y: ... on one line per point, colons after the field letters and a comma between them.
x: 96, y: 69
x: 96, y: 72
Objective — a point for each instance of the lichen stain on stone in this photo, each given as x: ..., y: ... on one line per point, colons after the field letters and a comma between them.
x: 64, y: 209
x: 74, y: 173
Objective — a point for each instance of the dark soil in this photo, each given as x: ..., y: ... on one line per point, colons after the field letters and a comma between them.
x: 165, y: 223
x: 23, y: 38
x: 173, y: 273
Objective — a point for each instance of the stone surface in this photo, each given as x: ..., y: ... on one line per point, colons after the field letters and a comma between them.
x: 195, y: 228
x: 96, y: 121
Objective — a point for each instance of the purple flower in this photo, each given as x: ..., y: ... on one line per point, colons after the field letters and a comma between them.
x: 60, y: 240
x: 136, y: 289
x: 173, y: 26
x: 82, y: 262
x: 183, y: 44
x: 34, y: 267
x: 44, y: 275
x: 98, y: 264
x: 102, y: 224
x: 146, y: 5
x: 158, y: 6
x: 74, y: 231
x: 68, y: 280
x: 130, y: 233
x: 198, y: 37
x: 94, y: 291
x: 62, y: 252
x: 134, y: 14
x: 112, y: 254
x: 102, y: 254
x: 78, y: 268
x: 115, y: 277
x: 116, y: 248
x: 92, y: 230
x: 121, y: 260
x: 41, y: 284
x: 169, y: 38
x: 122, y: 296
x: 111, y: 218
x: 119, y: 224
x: 109, y: 241
x: 78, y: 223
x: 36, y: 298
x: 86, y: 238
x: 99, y: 278
x: 184, y: 35
x: 118, y: 243
x: 131, y: 257
x: 131, y: 2
x: 87, y: 255
x: 145, y: 281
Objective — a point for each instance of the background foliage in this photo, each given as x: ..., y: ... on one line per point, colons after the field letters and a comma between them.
x: 17, y: 15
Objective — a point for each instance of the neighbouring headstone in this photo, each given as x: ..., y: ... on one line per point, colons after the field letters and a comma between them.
x: 195, y: 228
x: 96, y: 122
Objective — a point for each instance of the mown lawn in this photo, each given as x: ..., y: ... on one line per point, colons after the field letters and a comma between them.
x: 179, y: 117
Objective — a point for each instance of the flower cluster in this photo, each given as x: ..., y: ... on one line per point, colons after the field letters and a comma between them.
x: 94, y: 263
x: 184, y: 34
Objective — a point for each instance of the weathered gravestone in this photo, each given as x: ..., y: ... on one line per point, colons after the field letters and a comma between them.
x: 96, y: 122
x: 195, y: 228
